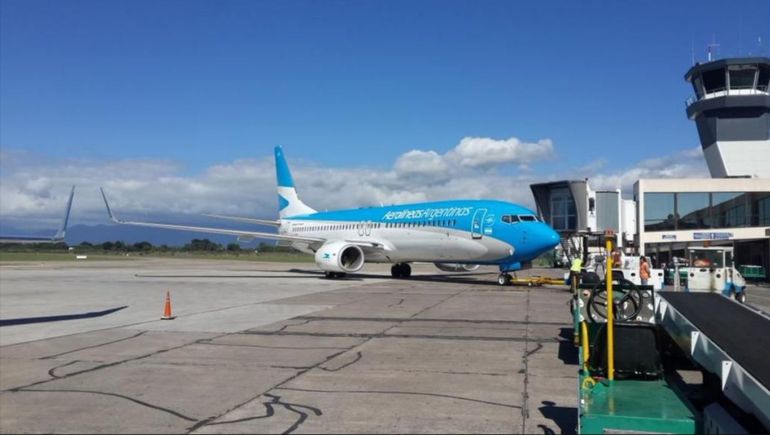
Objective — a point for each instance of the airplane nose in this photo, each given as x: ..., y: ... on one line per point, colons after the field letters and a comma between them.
x: 554, y: 237
x: 549, y: 239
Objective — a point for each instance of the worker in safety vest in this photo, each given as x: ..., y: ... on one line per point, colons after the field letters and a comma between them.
x: 574, y: 272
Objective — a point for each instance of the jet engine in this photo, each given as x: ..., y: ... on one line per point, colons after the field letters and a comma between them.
x: 456, y: 267
x: 339, y: 256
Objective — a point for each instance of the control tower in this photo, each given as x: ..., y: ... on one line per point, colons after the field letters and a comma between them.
x: 731, y: 108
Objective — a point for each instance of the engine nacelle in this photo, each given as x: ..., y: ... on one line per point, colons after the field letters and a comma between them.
x: 456, y: 267
x: 339, y: 256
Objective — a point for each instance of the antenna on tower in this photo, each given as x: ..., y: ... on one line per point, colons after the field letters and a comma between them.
x: 712, y: 45
x: 692, y: 50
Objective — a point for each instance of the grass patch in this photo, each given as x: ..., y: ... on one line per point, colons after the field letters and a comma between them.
x: 50, y: 256
x: 278, y: 257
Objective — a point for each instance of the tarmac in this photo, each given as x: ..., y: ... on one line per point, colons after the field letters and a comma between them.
x: 278, y: 348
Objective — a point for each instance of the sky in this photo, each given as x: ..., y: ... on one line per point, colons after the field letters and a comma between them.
x: 175, y: 106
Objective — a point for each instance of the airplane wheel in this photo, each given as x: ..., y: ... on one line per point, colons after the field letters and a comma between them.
x: 741, y: 297
x: 395, y: 271
x: 334, y: 275
x: 401, y: 270
x: 407, y: 270
x: 504, y: 279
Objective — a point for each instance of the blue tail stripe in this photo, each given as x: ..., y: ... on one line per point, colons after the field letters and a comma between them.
x: 282, y: 169
x: 282, y: 203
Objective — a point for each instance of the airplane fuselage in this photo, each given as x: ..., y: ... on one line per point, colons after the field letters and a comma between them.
x: 459, y: 231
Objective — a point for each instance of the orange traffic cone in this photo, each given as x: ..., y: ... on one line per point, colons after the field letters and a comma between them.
x: 167, y: 309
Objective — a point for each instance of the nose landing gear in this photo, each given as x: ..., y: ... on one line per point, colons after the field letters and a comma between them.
x: 504, y: 279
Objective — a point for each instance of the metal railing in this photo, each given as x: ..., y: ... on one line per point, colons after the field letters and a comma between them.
x: 723, y: 92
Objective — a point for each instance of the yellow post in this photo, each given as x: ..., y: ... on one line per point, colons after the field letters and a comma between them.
x: 610, y: 314
x: 586, y: 347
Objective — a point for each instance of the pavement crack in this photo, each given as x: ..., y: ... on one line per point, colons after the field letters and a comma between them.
x: 107, y: 365
x: 52, y: 372
x: 401, y: 301
x: 293, y: 407
x: 525, y: 361
x: 207, y: 421
x: 355, y: 360
x: 294, y: 324
x: 431, y: 319
x: 407, y: 393
x: 92, y: 347
x: 121, y: 396
x: 385, y: 334
x: 533, y: 351
x: 274, y: 347
x: 269, y: 412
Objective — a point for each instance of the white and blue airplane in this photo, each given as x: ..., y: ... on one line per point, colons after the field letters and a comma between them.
x: 56, y: 238
x: 455, y: 235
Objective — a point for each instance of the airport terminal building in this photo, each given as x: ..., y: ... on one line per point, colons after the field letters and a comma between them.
x: 678, y: 213
x: 731, y: 110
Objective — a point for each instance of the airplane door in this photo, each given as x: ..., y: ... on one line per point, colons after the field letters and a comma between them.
x: 477, y: 222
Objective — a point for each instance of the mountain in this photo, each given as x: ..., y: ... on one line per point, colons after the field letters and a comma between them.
x: 77, y: 234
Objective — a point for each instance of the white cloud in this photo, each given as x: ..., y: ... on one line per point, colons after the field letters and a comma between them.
x: 33, y: 190
x: 483, y: 152
x: 418, y: 162
x: 682, y: 164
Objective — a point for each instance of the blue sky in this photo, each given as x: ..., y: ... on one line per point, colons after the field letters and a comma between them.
x: 351, y: 84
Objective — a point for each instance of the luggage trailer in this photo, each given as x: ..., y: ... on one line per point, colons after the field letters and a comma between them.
x: 636, y: 344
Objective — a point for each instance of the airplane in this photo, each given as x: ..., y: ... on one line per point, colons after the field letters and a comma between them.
x: 56, y: 238
x: 455, y: 235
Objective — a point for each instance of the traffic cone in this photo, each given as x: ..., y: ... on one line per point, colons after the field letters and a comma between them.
x: 167, y: 308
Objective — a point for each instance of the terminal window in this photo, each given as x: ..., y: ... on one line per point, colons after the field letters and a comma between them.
x: 693, y: 210
x: 659, y: 212
x: 704, y: 210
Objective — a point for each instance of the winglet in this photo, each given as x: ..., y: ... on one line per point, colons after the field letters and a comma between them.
x: 109, y: 210
x: 63, y: 230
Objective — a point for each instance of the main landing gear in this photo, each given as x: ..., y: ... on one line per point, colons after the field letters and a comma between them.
x: 334, y: 275
x: 401, y: 270
x: 504, y: 279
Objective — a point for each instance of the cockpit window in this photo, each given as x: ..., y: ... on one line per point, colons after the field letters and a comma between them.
x: 527, y: 218
x: 510, y: 219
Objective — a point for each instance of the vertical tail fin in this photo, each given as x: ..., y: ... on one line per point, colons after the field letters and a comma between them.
x: 289, y: 203
x: 63, y: 230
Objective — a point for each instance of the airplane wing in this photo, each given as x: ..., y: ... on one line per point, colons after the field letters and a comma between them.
x: 246, y: 219
x: 28, y: 239
x: 243, y: 235
x: 58, y: 237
